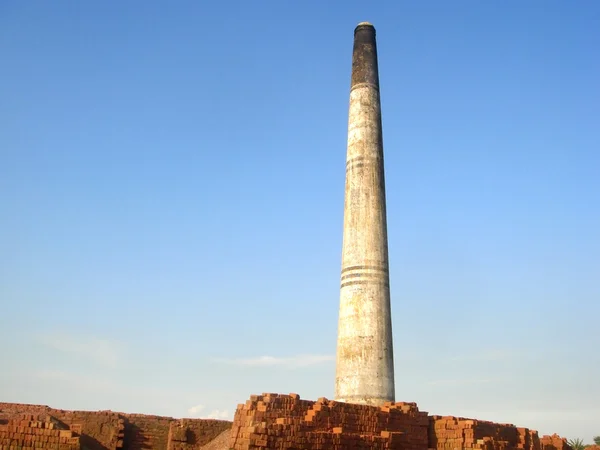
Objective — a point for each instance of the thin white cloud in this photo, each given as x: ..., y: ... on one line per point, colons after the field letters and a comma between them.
x: 292, y: 361
x: 102, y: 351
x: 462, y: 381
x: 487, y: 356
x: 195, y: 410
x: 99, y: 388
x: 219, y: 414
x: 75, y: 380
x: 532, y: 416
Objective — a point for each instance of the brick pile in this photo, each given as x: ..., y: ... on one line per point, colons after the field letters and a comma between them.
x: 100, y: 430
x: 286, y: 422
x: 554, y: 442
x: 267, y: 421
x: 108, y: 430
x: 447, y: 433
x: 30, y: 431
x: 144, y: 432
x: 190, y: 434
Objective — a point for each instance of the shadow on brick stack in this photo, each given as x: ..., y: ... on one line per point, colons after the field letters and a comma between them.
x: 286, y: 422
x: 29, y: 432
x: 192, y: 434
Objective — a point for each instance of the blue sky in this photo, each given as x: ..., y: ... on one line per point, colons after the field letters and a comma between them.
x: 171, y: 188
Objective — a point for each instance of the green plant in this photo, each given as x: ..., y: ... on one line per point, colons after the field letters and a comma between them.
x: 576, y: 444
x: 597, y: 440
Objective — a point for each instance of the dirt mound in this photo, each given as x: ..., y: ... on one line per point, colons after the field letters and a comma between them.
x: 221, y: 442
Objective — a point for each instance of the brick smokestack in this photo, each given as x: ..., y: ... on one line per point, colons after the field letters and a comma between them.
x: 365, y: 360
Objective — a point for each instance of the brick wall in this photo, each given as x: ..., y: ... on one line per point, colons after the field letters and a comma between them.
x: 285, y: 421
x: 554, y: 442
x: 100, y: 430
x: 272, y: 421
x: 146, y: 432
x: 31, y: 431
x: 455, y: 432
x: 188, y: 434
x: 108, y: 430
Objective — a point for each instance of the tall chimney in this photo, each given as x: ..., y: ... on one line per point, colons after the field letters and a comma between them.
x: 365, y: 360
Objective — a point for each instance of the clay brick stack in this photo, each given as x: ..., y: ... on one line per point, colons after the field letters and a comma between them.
x: 448, y: 433
x: 190, y: 434
x: 29, y: 432
x: 528, y: 439
x: 266, y: 421
x: 286, y: 422
x: 554, y: 442
x: 108, y: 430
x: 144, y: 431
x: 100, y: 430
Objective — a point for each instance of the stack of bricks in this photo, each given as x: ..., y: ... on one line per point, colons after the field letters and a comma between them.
x: 286, y: 422
x: 190, y: 434
x: 100, y: 430
x: 528, y: 439
x: 108, y: 430
x: 166, y: 433
x: 268, y: 421
x: 144, y: 431
x: 448, y: 433
x: 29, y: 432
x: 554, y: 442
